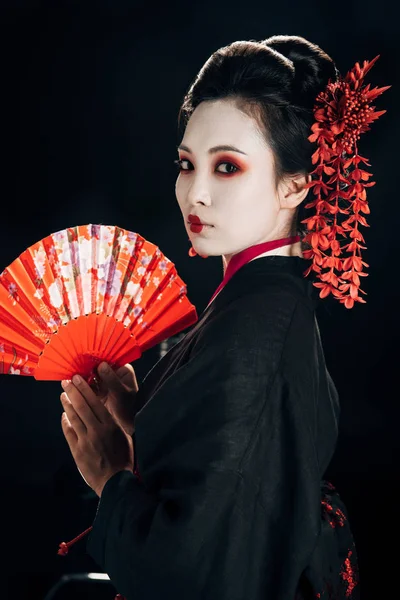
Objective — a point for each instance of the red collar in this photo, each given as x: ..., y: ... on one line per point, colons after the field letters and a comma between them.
x: 244, y: 256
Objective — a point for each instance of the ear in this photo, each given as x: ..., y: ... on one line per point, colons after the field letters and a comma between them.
x: 292, y: 191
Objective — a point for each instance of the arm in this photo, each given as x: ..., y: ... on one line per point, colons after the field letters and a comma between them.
x: 173, y: 545
x: 212, y: 529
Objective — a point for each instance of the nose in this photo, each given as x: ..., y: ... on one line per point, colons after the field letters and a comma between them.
x: 198, y: 194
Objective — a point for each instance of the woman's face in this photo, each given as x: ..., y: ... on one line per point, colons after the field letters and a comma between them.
x: 232, y: 190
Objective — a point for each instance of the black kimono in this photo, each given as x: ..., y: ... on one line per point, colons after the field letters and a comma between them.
x: 237, y: 425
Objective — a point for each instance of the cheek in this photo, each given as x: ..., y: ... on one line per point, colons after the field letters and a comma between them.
x: 250, y: 212
x: 179, y: 191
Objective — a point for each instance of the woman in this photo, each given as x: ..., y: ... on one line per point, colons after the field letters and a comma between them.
x: 234, y: 428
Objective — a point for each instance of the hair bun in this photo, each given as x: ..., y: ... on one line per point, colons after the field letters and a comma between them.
x: 312, y: 66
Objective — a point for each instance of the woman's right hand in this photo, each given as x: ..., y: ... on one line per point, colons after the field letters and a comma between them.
x: 118, y: 390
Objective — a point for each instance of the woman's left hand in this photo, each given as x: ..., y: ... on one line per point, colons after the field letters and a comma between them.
x: 99, y: 445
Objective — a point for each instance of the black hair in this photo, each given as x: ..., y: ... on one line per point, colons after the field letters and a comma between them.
x: 276, y: 82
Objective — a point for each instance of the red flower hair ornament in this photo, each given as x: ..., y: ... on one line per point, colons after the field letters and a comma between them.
x: 342, y: 113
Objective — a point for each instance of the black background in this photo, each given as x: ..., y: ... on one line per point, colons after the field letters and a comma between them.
x: 90, y: 95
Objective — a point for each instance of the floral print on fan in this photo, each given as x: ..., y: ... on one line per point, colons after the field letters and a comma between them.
x: 106, y: 269
x: 80, y: 271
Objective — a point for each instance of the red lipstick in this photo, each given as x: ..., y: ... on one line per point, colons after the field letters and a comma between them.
x: 195, y: 219
x: 196, y: 225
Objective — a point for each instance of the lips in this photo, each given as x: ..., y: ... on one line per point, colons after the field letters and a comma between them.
x: 196, y: 220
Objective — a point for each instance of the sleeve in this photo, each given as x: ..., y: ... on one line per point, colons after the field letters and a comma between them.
x: 209, y: 531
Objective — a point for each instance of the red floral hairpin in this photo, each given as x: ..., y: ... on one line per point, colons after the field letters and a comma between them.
x: 343, y: 111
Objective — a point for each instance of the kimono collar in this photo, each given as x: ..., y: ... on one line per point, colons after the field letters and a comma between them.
x: 244, y: 256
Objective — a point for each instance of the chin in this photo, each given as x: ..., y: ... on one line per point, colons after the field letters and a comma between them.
x: 201, y: 248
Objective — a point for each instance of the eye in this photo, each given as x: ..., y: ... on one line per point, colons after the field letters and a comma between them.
x: 229, y: 165
x: 179, y: 162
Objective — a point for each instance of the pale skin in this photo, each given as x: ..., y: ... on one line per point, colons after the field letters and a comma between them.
x: 234, y: 192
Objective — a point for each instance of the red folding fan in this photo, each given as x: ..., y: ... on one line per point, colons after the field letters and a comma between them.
x: 87, y: 294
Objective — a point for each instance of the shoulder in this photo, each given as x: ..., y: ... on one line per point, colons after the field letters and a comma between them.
x: 256, y: 321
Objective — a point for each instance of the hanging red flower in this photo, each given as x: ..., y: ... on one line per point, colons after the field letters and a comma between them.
x: 342, y: 113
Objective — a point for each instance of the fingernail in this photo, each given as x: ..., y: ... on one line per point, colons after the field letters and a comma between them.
x: 103, y: 368
x: 65, y: 382
x: 76, y: 379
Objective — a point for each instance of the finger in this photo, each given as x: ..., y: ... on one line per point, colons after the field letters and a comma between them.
x: 114, y: 379
x: 69, y: 432
x: 74, y: 420
x: 85, y: 402
x: 128, y: 376
x: 93, y: 399
x: 100, y: 389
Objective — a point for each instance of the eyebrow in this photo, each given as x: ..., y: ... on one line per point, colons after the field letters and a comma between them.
x: 214, y: 149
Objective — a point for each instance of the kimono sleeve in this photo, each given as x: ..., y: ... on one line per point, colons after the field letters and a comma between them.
x: 205, y: 533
